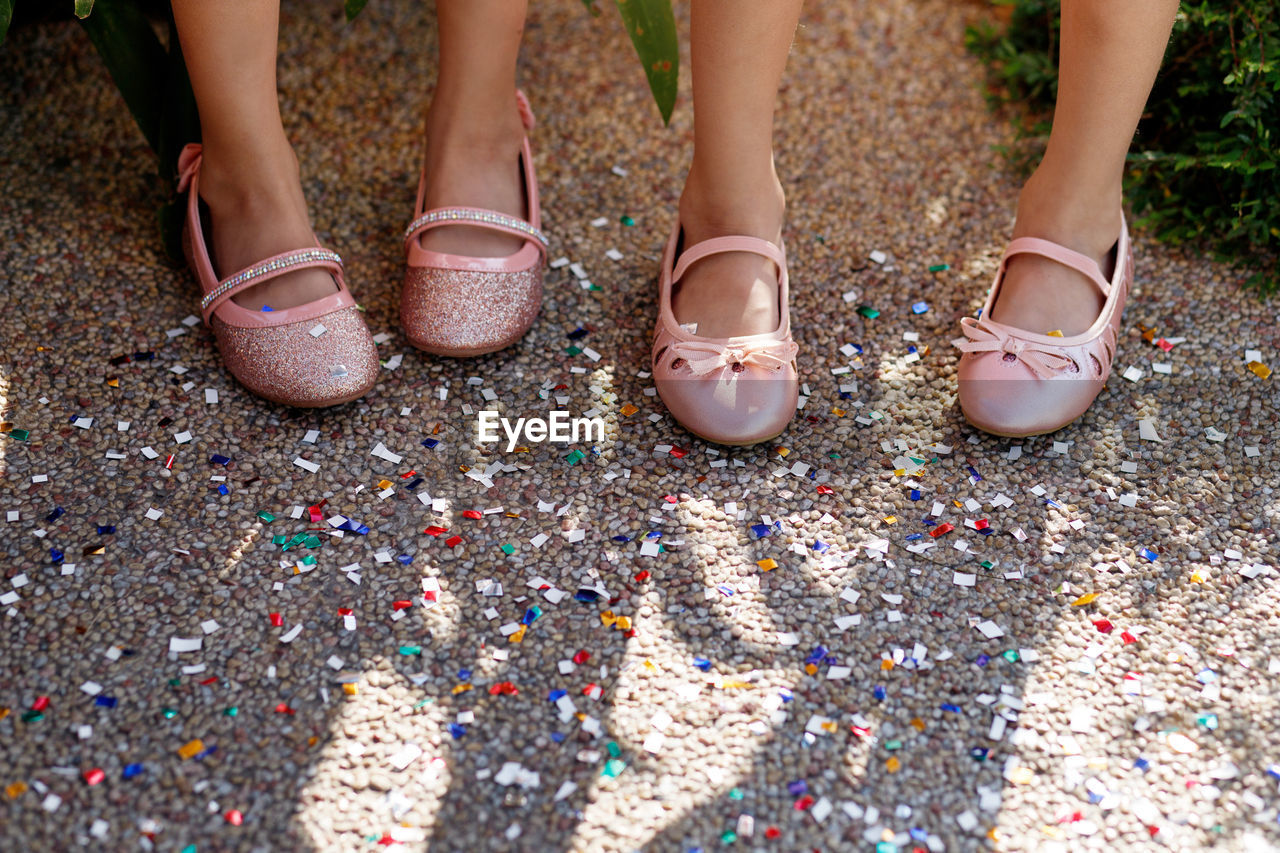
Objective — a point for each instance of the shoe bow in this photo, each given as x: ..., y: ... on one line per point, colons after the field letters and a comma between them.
x: 703, y: 357
x: 1045, y: 362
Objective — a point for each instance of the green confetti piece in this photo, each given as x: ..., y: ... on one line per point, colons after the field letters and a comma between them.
x: 168, y: 713
x: 266, y: 516
x: 421, y: 702
x: 1011, y: 655
x: 508, y: 549
x: 174, y: 682
x: 573, y: 350
x: 20, y: 434
x: 190, y: 848
x: 939, y: 267
x: 728, y: 836
x: 614, y: 750
x: 595, y: 288
x: 893, y: 744
x: 410, y: 650
x: 736, y: 794
x: 987, y: 564
x: 32, y: 716
x: 613, y: 767
x: 230, y: 712
x: 627, y: 221
x: 308, y: 560
x: 575, y: 457
x: 311, y: 541
x: 868, y: 312
x: 279, y: 539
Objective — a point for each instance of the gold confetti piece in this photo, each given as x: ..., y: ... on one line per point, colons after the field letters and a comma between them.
x: 17, y: 789
x: 735, y: 685
x: 607, y: 618
x: 768, y: 564
x: 190, y: 748
x: 1056, y: 333
x: 1057, y: 833
x: 628, y: 410
x: 890, y: 519
x: 518, y: 636
x: 461, y: 688
x: 651, y: 666
x: 384, y: 484
x: 1087, y: 598
x: 350, y: 689
x: 1259, y: 369
x: 893, y: 765
x: 623, y: 623
x: 886, y: 664
x: 837, y: 411
x: 810, y: 668
x: 782, y: 451
x: 829, y: 726
x: 113, y: 383
x: 917, y: 723
x: 1021, y: 775
x: 1199, y: 577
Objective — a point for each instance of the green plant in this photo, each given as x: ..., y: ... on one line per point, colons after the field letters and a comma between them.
x: 1205, y: 166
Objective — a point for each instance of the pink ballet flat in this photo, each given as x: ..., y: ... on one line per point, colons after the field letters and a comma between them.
x: 1017, y: 383
x: 736, y: 391
x: 312, y: 355
x: 456, y: 305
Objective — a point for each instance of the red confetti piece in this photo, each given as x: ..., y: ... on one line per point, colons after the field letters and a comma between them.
x: 401, y: 605
x: 276, y: 619
x: 642, y: 576
x: 1164, y: 345
x: 168, y: 463
x: 472, y: 513
x: 1103, y: 625
x: 504, y: 688
x: 804, y: 803
x: 581, y: 656
x: 825, y: 490
x: 407, y: 476
x: 679, y: 453
x: 283, y: 708
x: 314, y: 513
x: 435, y: 530
x: 40, y: 704
x: 772, y: 832
x: 94, y: 776
x: 1128, y: 638
x: 586, y: 691
x: 981, y: 524
x: 345, y: 611
x: 942, y: 530
x: 234, y: 817
x: 453, y: 541
x: 429, y: 595
x: 213, y: 679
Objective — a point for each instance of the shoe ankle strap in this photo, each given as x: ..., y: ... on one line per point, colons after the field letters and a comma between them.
x: 480, y: 218
x: 1082, y: 264
x: 717, y: 245
x: 270, y: 268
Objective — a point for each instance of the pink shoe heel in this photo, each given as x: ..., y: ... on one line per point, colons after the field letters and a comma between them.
x: 735, y: 391
x: 313, y: 355
x: 456, y: 305
x: 1017, y: 383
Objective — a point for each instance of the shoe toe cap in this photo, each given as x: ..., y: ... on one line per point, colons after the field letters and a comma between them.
x: 736, y: 411
x: 1009, y: 399
x: 459, y: 312
x: 289, y: 364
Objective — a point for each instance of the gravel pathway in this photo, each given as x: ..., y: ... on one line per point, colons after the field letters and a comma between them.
x: 645, y: 642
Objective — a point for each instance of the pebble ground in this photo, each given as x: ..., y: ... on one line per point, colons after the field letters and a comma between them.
x: 1037, y: 685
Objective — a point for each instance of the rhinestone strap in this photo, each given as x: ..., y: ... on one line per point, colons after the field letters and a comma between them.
x: 482, y: 217
x: 303, y: 257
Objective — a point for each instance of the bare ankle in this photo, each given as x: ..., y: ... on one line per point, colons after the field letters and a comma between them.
x: 754, y: 208
x: 1086, y: 220
x: 266, y: 182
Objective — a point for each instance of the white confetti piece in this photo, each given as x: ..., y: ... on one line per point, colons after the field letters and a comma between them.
x: 306, y: 465
x: 154, y: 513
x: 317, y: 330
x: 1147, y: 430
x: 291, y: 634
x: 180, y: 645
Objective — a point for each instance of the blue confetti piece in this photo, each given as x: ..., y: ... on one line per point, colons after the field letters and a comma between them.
x: 879, y: 692
x: 1148, y: 555
x: 915, y: 494
x: 418, y: 482
x: 219, y: 459
x: 725, y: 590
x: 586, y: 595
x: 982, y: 660
x: 106, y: 529
x: 797, y: 787
x: 404, y: 559
x: 457, y: 730
x: 817, y: 655
x: 621, y: 540
x: 430, y: 443
x: 786, y: 695
x: 702, y: 664
x: 821, y: 547
x: 947, y: 706
x: 223, y: 490
x: 919, y: 307
x: 556, y: 695
x: 973, y: 472
x: 759, y: 531
x: 558, y: 737
x: 912, y: 348
x: 578, y: 333
x: 464, y: 675
x: 1143, y: 764
x: 103, y: 701
x: 911, y: 537
x: 132, y: 770
x: 531, y: 615
x: 57, y: 513
x: 55, y: 555
x: 653, y: 534
x: 267, y: 308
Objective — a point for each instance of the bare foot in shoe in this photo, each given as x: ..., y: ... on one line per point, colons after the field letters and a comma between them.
x: 735, y: 293
x: 1042, y: 296
x: 474, y: 161
x: 255, y: 210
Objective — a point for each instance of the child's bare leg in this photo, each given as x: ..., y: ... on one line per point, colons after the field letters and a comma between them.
x: 739, y: 51
x: 249, y: 174
x: 473, y: 128
x: 1109, y: 58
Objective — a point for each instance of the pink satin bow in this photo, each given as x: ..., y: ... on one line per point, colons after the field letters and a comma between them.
x: 188, y: 165
x: 704, y: 357
x: 1043, y: 361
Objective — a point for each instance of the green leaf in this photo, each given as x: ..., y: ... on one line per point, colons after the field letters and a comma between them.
x: 652, y: 27
x: 83, y: 8
x: 592, y: 8
x: 353, y: 8
x: 134, y: 57
x: 6, y: 15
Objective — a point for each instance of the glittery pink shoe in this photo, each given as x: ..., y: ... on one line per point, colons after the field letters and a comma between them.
x: 456, y: 305
x: 737, y: 391
x: 1017, y: 383
x: 317, y: 354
